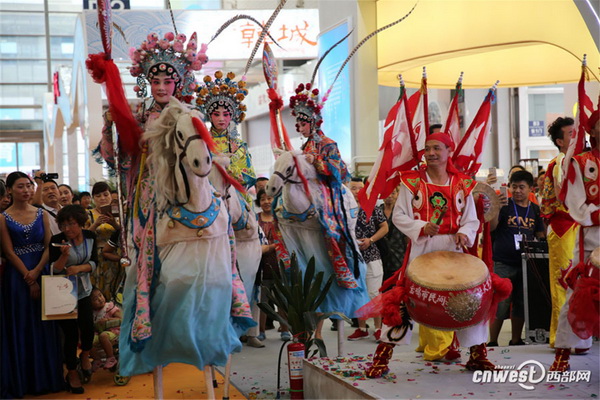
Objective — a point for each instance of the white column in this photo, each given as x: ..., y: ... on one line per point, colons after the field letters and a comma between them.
x: 94, y: 126
x: 73, y: 165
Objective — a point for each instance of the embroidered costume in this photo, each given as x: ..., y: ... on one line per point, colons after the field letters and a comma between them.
x: 562, y: 232
x: 228, y: 94
x: 420, y: 201
x: 157, y: 328
x: 583, y: 201
x: 451, y: 206
x: 332, y: 173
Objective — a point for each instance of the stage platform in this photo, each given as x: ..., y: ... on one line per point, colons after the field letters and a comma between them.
x: 411, y: 377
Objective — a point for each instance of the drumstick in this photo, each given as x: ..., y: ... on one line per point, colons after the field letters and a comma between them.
x: 439, y: 219
x: 444, y: 210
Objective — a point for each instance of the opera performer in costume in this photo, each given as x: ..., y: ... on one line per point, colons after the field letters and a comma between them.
x: 583, y: 201
x: 349, y: 290
x: 171, y: 313
x: 562, y: 229
x: 421, y: 200
x: 220, y: 100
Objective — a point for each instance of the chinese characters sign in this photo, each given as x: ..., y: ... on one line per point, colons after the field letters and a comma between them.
x: 294, y: 30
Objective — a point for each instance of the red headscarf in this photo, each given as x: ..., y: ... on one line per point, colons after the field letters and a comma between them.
x: 447, y: 140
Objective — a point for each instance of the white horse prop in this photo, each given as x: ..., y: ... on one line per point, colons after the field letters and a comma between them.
x: 194, y: 282
x: 298, y: 215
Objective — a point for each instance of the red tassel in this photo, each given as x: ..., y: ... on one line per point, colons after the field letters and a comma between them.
x: 386, y: 305
x: 502, y: 289
x: 391, y: 306
x: 302, y: 177
x: 275, y: 105
x: 105, y: 71
x: 229, y: 179
x: 584, y: 308
x: 202, y: 130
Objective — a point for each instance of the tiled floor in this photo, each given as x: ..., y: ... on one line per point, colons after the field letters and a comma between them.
x: 254, y: 371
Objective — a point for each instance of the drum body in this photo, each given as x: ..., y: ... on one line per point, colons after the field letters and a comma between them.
x: 448, y: 291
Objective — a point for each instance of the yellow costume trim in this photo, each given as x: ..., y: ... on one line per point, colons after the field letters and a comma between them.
x: 136, y: 203
x: 560, y: 253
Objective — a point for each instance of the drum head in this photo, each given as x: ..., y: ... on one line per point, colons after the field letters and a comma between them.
x: 491, y: 202
x: 447, y: 270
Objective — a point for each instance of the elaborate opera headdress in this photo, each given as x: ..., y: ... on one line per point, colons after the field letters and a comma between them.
x: 222, y: 92
x: 305, y: 104
x: 168, y: 55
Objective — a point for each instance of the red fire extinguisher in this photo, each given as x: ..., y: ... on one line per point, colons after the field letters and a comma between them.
x: 295, y: 359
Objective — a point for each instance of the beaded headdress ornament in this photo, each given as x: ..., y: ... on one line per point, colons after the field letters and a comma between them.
x: 168, y: 55
x: 222, y: 92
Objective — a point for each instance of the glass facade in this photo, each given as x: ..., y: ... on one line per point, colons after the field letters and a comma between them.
x: 30, y: 52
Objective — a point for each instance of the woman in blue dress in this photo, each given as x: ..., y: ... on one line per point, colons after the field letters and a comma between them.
x: 30, y: 348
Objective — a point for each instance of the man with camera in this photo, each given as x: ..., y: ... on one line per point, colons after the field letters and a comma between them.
x: 47, y: 196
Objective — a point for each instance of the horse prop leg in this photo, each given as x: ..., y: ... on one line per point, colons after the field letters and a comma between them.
x: 227, y: 376
x: 210, y: 390
x: 157, y: 378
x: 340, y: 337
x: 214, y: 377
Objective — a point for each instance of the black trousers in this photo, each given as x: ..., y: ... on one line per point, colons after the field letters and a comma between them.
x: 73, y: 329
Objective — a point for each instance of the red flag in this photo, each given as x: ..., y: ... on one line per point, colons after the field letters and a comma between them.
x: 468, y: 154
x: 577, y: 142
x: 452, y: 126
x: 417, y: 104
x: 397, y: 153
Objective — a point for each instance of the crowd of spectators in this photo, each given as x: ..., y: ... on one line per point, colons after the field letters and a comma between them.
x: 44, y: 232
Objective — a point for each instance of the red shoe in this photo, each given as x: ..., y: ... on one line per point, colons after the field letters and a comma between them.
x: 478, y: 360
x: 381, y: 360
x: 377, y: 335
x: 359, y: 334
x: 580, y: 352
x: 561, y: 360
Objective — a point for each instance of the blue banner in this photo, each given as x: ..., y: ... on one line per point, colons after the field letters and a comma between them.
x: 337, y: 123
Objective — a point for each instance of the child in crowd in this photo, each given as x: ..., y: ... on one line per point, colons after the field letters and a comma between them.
x: 107, y: 321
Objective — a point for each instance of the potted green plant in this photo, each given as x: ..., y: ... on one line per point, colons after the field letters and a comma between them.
x: 299, y: 297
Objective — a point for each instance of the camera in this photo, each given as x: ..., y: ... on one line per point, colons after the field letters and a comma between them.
x: 49, y: 176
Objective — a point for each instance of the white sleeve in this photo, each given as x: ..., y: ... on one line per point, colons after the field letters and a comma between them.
x: 403, y: 216
x: 469, y: 224
x: 576, y: 197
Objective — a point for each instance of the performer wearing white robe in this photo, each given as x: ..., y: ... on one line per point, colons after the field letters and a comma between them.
x: 582, y: 200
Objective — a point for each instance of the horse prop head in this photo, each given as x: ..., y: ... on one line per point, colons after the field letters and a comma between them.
x: 290, y: 167
x: 180, y: 142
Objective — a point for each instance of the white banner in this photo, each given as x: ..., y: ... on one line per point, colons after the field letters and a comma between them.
x: 295, y: 30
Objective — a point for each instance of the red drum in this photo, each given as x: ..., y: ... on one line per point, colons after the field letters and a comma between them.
x: 448, y: 291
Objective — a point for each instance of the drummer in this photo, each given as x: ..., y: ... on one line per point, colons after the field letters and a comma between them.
x: 435, y: 209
